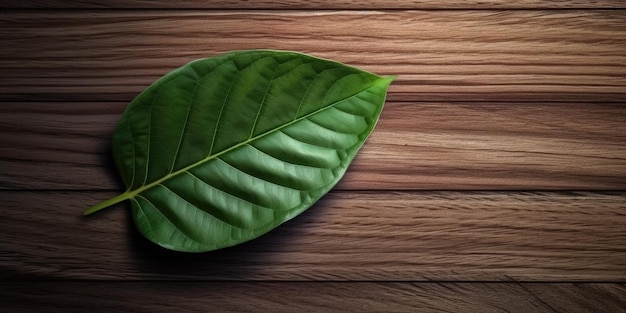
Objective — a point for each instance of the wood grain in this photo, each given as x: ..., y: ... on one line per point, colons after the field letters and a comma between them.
x: 439, y: 55
x: 312, y: 4
x: 494, y: 182
x: 311, y: 297
x: 555, y: 146
x: 363, y: 236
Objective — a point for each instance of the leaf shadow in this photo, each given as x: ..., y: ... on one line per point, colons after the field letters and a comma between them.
x: 105, y: 155
x: 263, y: 258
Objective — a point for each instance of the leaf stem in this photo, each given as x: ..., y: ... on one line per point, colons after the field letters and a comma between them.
x: 107, y: 203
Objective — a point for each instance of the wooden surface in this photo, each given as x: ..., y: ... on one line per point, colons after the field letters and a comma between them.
x: 313, y: 4
x: 495, y: 180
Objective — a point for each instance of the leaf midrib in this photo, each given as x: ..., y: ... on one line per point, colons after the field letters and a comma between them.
x: 130, y: 194
x: 243, y: 143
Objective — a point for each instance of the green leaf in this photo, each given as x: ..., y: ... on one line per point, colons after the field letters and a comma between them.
x: 224, y: 149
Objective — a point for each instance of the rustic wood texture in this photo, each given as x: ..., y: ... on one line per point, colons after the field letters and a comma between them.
x: 439, y: 55
x: 416, y: 236
x: 312, y: 297
x: 313, y: 4
x: 488, y: 146
x: 495, y: 180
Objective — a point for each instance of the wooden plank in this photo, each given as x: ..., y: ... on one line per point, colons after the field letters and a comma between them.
x: 311, y: 297
x: 380, y: 236
x: 439, y: 55
x: 549, y: 146
x: 311, y: 4
x: 580, y: 297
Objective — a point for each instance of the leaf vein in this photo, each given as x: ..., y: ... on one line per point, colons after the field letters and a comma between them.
x: 182, y: 132
x: 347, y: 112
x: 258, y: 113
x: 156, y: 96
x: 258, y: 177
x: 259, y: 206
x: 306, y: 92
x: 286, y: 161
x: 143, y: 213
x: 200, y: 208
x: 132, y: 143
x: 325, y: 127
x: 219, y: 116
x: 169, y: 219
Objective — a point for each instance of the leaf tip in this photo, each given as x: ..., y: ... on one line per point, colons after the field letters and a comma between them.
x: 390, y: 78
x: 387, y: 80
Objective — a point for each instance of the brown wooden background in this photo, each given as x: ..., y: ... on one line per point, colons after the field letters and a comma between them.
x: 494, y: 182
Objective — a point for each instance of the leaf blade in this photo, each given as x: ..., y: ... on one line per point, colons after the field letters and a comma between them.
x: 255, y: 160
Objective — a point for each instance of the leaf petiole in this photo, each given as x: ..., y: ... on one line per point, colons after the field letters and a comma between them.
x: 108, y: 203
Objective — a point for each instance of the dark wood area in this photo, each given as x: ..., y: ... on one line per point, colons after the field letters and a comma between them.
x: 495, y: 180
